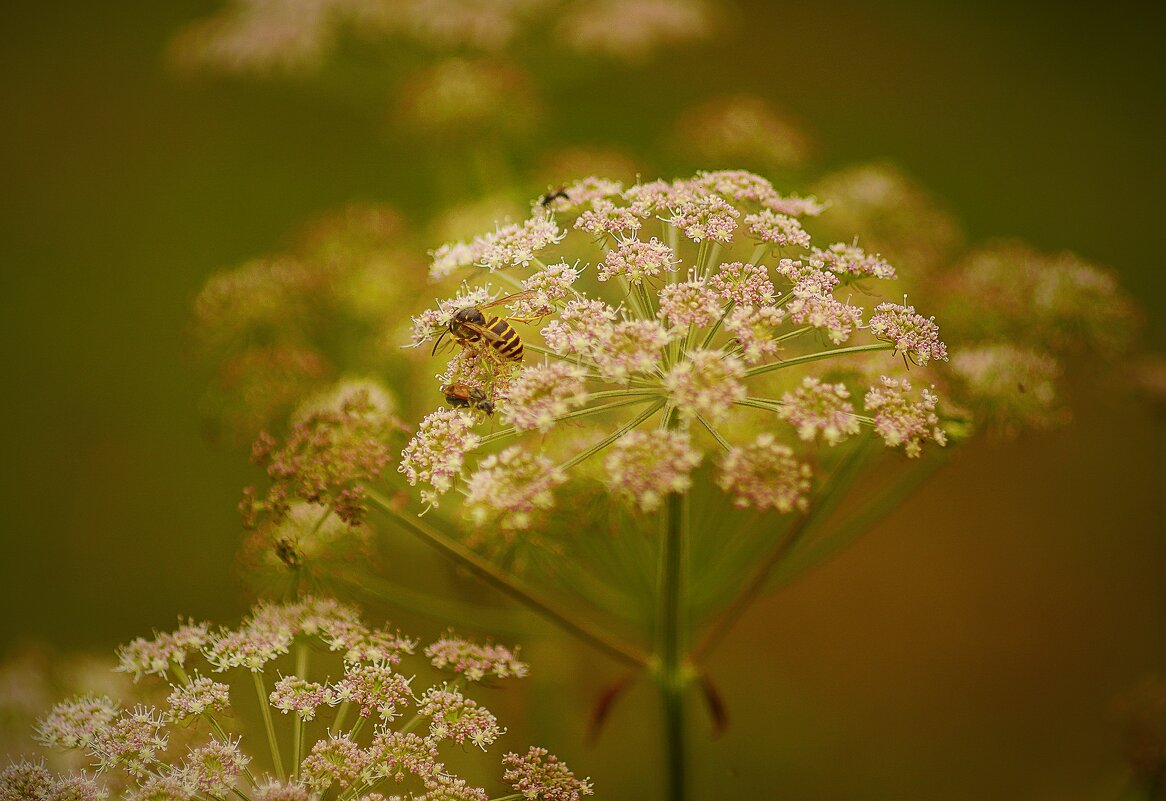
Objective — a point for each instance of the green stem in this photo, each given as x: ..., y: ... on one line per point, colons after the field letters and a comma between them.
x: 849, y: 530
x: 411, y: 724
x: 671, y: 679
x: 181, y: 675
x: 302, y: 655
x: 216, y: 727
x: 590, y: 366
x: 758, y: 252
x: 498, y: 621
x: 320, y: 522
x: 795, y: 333
x: 748, y: 594
x: 702, y: 249
x: 760, y: 403
x: 633, y: 297
x: 686, y: 343
x: 716, y: 435
x: 646, y: 300
x: 548, y: 352
x: 717, y: 325
x: 261, y: 691
x: 842, y: 478
x: 298, y: 721
x: 672, y: 237
x: 638, y: 396
x: 619, y: 432
x: 341, y: 715
x: 813, y: 357
x: 711, y: 258
x: 621, y: 393
x: 511, y: 586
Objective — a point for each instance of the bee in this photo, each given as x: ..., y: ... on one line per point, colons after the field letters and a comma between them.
x: 463, y: 396
x: 474, y: 325
x: 552, y: 195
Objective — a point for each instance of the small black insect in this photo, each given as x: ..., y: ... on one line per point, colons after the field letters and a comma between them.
x: 554, y: 194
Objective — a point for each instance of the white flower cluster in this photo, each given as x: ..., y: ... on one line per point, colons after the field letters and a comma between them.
x: 670, y: 354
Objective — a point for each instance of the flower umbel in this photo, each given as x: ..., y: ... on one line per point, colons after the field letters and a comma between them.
x: 816, y: 408
x: 764, y: 474
x: 436, y: 453
x: 645, y: 466
x: 453, y: 716
x: 902, y: 422
x: 325, y: 460
x: 915, y: 336
x: 475, y: 661
x: 511, y: 487
x: 540, y: 775
x: 685, y: 356
x: 185, y: 755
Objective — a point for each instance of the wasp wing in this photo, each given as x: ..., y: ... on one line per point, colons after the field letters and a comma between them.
x: 512, y: 298
x: 482, y: 331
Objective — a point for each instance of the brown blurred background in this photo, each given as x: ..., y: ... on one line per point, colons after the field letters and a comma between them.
x: 970, y: 648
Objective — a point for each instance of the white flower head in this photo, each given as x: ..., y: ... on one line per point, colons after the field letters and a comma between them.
x: 658, y: 351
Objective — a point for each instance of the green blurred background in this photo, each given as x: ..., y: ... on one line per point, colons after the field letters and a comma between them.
x: 970, y: 648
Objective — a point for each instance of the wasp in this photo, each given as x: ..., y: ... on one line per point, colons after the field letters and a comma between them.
x: 463, y: 396
x: 474, y: 325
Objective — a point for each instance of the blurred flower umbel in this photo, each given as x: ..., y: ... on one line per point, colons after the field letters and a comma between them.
x: 459, y: 99
x: 372, y: 729
x: 280, y: 328
x: 894, y: 214
x: 632, y: 30
x: 1059, y: 302
x: 326, y: 460
x: 296, y: 37
x: 310, y: 543
x: 1026, y: 319
x: 266, y: 37
x: 1023, y: 319
x: 740, y: 130
x: 675, y: 332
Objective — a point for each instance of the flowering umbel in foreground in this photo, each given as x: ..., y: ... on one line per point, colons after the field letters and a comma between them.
x: 670, y: 325
x: 365, y: 727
